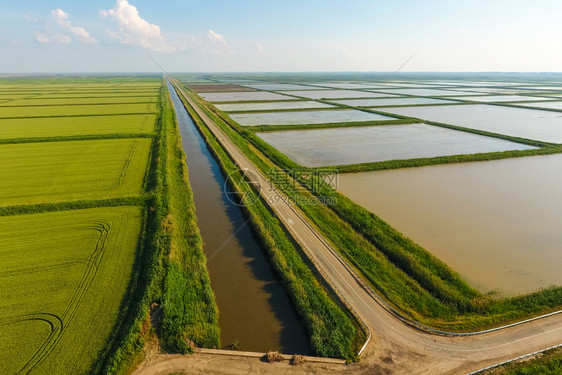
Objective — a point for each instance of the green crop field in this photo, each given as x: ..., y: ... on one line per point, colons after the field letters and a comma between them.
x: 75, y: 126
x: 55, y: 95
x: 4, y: 96
x: 85, y: 235
x: 72, y: 268
x: 94, y: 95
x: 74, y: 101
x: 77, y: 110
x: 64, y: 275
x: 76, y: 170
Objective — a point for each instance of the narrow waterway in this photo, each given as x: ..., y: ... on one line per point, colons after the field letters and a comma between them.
x: 254, y: 309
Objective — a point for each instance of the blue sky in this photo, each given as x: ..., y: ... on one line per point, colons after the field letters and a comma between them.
x: 305, y: 35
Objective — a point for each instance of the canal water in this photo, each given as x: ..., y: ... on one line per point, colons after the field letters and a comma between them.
x: 254, y: 309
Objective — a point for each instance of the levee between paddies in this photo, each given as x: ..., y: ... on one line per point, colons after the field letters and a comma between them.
x: 64, y: 276
x: 45, y: 127
x: 495, y: 222
x: 77, y: 110
x: 77, y: 170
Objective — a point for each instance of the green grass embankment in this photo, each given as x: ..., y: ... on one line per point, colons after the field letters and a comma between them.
x: 172, y: 267
x: 547, y: 363
x: 189, y: 311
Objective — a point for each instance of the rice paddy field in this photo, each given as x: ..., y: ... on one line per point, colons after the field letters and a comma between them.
x: 80, y: 101
x: 496, y: 222
x: 380, y: 143
x: 336, y: 94
x: 64, y: 275
x: 268, y: 106
x: 50, y: 172
x: 390, y: 102
x: 307, y: 117
x: 50, y: 127
x: 243, y: 96
x: 436, y: 121
x: 74, y: 156
x: 535, y: 124
x: 76, y: 110
x: 547, y: 105
x: 502, y: 98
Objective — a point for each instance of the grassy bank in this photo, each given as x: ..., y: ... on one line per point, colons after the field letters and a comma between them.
x: 406, y: 275
x: 547, y: 363
x: 189, y: 314
x: 173, y: 269
x: 332, y: 332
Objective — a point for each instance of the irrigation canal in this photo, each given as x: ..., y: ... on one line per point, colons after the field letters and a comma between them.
x: 254, y: 309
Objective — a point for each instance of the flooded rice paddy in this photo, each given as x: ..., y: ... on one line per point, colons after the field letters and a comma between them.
x: 271, y: 106
x: 336, y: 94
x: 518, y: 122
x: 325, y: 147
x: 502, y: 98
x: 549, y: 105
x: 351, y: 85
x: 497, y: 222
x: 307, y: 117
x: 243, y: 96
x: 282, y: 86
x: 426, y: 92
x: 389, y: 102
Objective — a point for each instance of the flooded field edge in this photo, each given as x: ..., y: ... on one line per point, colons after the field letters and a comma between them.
x: 475, y: 217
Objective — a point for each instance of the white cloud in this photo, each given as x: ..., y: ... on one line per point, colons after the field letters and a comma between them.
x: 216, y: 38
x: 62, y: 19
x: 51, y: 38
x: 133, y: 29
x: 259, y: 47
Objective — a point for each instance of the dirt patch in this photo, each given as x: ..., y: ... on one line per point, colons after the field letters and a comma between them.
x: 219, y: 87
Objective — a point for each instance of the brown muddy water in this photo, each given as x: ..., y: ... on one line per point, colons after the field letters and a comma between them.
x: 254, y: 308
x: 498, y: 223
